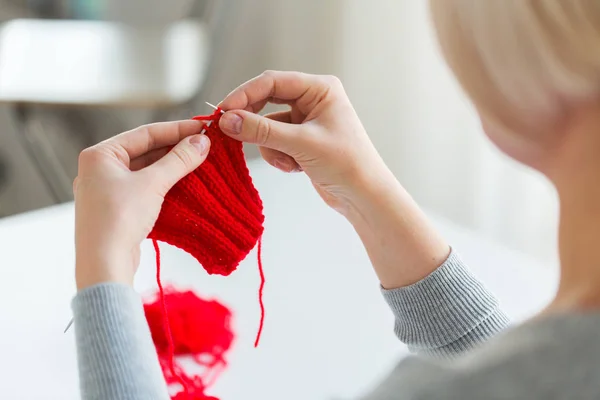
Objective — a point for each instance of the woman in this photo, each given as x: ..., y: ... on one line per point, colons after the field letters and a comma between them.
x: 532, y: 69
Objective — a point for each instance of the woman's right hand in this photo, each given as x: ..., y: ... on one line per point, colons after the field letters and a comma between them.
x: 320, y: 134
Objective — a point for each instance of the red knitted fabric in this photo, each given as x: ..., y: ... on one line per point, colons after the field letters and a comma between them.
x: 214, y: 213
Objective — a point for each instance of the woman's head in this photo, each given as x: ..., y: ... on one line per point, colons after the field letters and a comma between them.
x: 526, y: 64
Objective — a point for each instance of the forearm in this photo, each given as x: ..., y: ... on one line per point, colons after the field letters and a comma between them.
x: 402, y: 245
x: 116, y: 356
x: 441, y: 309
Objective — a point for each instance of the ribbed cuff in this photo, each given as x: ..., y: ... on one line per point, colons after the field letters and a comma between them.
x: 443, y: 308
x: 105, y: 305
x: 116, y: 356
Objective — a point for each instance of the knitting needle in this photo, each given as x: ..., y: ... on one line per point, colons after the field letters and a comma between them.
x: 215, y: 107
x: 68, y: 326
x: 210, y: 122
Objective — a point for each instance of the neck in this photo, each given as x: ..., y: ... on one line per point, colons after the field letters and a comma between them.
x: 579, y: 246
x: 578, y: 185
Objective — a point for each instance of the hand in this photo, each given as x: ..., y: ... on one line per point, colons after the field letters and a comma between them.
x: 119, y: 191
x: 320, y: 134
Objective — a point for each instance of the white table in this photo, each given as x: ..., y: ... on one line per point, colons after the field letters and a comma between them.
x: 328, y: 333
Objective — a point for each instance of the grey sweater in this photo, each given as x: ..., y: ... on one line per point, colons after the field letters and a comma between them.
x: 444, y: 319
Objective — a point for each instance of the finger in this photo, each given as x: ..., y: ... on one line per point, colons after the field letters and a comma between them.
x: 253, y: 128
x: 279, y: 160
x: 185, y: 157
x: 148, y: 159
x: 281, y: 116
x: 139, y: 141
x: 305, y: 90
x: 276, y: 158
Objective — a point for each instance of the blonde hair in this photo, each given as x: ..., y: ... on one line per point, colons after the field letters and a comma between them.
x: 522, y: 60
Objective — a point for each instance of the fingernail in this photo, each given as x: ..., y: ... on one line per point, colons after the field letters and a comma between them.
x: 282, y: 165
x: 200, y: 142
x: 231, y: 123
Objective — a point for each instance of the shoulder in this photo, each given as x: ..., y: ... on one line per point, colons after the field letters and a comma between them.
x: 554, y: 358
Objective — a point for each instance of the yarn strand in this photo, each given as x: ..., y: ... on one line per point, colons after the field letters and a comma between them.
x: 260, y: 292
x: 167, y: 326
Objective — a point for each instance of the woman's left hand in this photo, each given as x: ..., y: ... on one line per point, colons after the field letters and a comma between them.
x: 119, y: 191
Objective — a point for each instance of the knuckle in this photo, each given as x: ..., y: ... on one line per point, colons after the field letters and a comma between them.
x: 89, y: 156
x: 144, y: 130
x: 269, y: 73
x: 263, y: 132
x: 184, y: 157
x: 271, y: 77
x: 333, y: 81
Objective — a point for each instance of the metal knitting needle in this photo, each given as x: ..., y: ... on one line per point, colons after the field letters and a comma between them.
x: 215, y: 107
x: 68, y: 326
x: 210, y: 122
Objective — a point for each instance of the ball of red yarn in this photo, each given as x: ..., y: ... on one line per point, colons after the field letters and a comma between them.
x: 199, y: 328
x: 183, y: 396
x: 215, y: 212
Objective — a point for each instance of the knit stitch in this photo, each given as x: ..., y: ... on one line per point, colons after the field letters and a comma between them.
x: 215, y: 213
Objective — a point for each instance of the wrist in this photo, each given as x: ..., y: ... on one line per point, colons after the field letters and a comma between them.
x: 95, y: 267
x: 88, y: 278
x: 369, y: 191
x: 402, y: 245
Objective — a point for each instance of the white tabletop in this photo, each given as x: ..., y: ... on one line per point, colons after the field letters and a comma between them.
x: 328, y: 333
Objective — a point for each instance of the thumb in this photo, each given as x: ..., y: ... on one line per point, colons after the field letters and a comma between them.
x: 253, y: 128
x: 185, y: 157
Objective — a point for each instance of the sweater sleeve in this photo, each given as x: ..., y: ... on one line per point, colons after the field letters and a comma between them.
x: 447, y: 313
x: 116, y: 357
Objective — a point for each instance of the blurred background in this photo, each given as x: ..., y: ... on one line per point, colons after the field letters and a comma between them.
x: 73, y: 72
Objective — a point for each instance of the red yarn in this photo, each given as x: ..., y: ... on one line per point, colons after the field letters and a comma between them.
x: 216, y: 215
x: 170, y: 352
x: 260, y: 294
x: 182, y: 324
